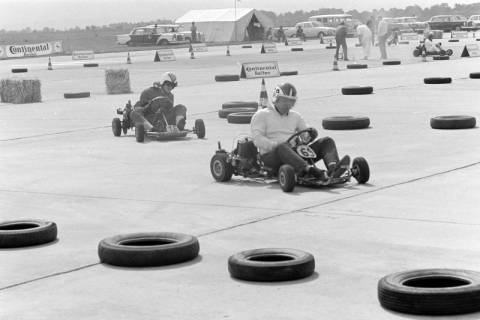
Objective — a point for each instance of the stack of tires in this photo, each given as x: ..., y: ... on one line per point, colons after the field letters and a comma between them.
x: 240, y: 112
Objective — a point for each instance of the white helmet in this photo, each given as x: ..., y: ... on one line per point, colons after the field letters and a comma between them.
x: 285, y: 90
x: 168, y: 77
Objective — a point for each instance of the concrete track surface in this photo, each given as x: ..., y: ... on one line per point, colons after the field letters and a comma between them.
x: 60, y: 162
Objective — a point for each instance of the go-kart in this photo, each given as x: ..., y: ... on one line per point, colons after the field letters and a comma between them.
x: 421, y: 48
x: 245, y: 161
x: 160, y: 130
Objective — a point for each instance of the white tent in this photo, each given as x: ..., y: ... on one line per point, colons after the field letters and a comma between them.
x: 219, y: 25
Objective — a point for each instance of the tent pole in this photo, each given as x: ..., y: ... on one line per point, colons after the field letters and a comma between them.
x: 235, y: 22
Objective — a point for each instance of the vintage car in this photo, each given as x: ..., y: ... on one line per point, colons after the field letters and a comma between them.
x: 159, y: 34
x: 311, y: 29
x: 406, y: 24
x: 447, y: 23
x: 473, y: 23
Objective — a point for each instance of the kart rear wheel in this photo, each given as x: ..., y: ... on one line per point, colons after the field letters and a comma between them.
x: 200, y: 128
x: 139, y: 132
x: 360, y: 170
x: 116, y: 127
x: 416, y: 53
x: 286, y: 178
x: 449, y: 52
x: 125, y: 126
x: 219, y: 167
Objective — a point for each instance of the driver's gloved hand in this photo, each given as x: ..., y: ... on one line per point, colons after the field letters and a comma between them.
x: 313, y: 133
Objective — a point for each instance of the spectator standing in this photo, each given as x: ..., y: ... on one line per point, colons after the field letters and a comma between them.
x: 300, y: 33
x: 372, y: 27
x: 382, y: 34
x: 365, y: 38
x: 193, y: 30
x: 268, y: 34
x: 341, y: 39
x: 281, y: 34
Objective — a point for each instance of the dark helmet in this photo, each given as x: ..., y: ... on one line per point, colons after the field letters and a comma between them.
x: 285, y: 90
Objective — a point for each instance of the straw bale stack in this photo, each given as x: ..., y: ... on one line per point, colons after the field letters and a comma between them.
x: 117, y: 81
x: 20, y: 90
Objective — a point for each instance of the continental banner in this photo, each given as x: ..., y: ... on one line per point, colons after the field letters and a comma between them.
x: 30, y: 50
x: 260, y: 69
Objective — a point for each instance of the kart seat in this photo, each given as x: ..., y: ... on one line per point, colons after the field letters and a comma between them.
x: 247, y: 149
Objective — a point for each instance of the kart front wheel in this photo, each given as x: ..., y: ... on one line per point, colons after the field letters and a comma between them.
x: 219, y: 167
x: 200, y: 128
x: 449, y: 52
x: 416, y: 53
x: 286, y: 178
x: 116, y: 127
x: 139, y: 132
x: 360, y: 170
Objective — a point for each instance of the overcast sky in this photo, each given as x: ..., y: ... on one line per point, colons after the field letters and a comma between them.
x: 61, y: 14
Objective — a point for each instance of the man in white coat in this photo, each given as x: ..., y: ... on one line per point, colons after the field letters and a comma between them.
x: 365, y: 35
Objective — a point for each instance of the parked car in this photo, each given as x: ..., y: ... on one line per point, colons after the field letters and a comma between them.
x: 164, y: 34
x: 406, y: 24
x: 447, y: 23
x: 473, y: 23
x: 311, y: 29
x: 333, y: 20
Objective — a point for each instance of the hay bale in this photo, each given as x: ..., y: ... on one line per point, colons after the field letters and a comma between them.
x: 20, y: 91
x: 117, y: 81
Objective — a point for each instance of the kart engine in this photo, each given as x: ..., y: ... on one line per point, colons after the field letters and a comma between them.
x: 245, y: 156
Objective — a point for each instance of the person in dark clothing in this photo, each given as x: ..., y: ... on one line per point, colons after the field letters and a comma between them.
x: 300, y: 34
x: 341, y: 39
x: 156, y: 105
x: 280, y: 34
x: 193, y: 30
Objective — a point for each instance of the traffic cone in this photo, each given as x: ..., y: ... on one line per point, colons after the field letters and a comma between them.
x: 424, y: 57
x: 335, y: 65
x: 228, y: 51
x: 49, y: 64
x: 263, y: 96
x: 192, y: 55
x: 129, y: 61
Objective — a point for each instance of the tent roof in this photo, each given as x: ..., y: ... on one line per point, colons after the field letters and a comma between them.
x: 213, y: 15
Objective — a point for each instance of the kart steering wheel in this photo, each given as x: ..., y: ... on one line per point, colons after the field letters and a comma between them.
x: 298, y: 138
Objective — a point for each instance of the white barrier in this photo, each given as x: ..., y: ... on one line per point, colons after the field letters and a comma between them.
x: 164, y: 55
x: 262, y: 69
x: 30, y: 50
x: 83, y: 55
x: 410, y: 36
x: 459, y: 34
x: 269, y: 47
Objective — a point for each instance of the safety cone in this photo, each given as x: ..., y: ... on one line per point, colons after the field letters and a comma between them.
x: 424, y: 57
x: 49, y: 64
x: 263, y: 96
x: 129, y: 61
x: 228, y: 51
x: 192, y: 55
x: 335, y: 65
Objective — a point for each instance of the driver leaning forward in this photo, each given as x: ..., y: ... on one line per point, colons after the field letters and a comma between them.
x: 156, y: 103
x: 272, y: 126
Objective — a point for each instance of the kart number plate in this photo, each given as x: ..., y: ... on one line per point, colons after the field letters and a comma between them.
x: 306, y: 152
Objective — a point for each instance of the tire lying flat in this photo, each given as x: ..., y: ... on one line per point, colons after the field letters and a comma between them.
x: 475, y: 75
x: 223, y: 113
x: 357, y: 66
x: 271, y: 264
x: 345, y: 123
x: 90, y: 65
x: 357, y: 90
x: 76, y: 95
x: 246, y: 46
x: 453, y: 40
x: 296, y: 49
x: 288, y: 73
x: 19, y: 70
x: 24, y: 233
x: 227, y: 77
x: 391, y: 62
x: 240, y: 117
x: 240, y: 104
x: 148, y: 249
x: 437, y: 80
x: 441, y: 58
x: 431, y: 291
x: 453, y: 122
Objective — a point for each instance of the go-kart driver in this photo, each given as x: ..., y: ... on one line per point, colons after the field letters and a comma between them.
x: 157, y: 102
x: 431, y: 48
x: 272, y: 126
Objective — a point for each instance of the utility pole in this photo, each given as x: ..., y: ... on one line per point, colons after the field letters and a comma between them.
x: 235, y: 20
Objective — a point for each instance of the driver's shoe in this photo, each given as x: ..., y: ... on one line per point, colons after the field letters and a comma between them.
x: 181, y: 124
x: 340, y: 168
x: 318, y: 173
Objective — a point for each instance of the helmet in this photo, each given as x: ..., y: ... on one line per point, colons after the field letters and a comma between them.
x: 285, y: 90
x: 168, y: 77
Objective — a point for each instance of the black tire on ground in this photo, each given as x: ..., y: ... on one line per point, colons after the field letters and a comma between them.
x: 223, y: 113
x: 441, y: 58
x: 453, y: 122
x: 227, y: 77
x: 403, y: 42
x: 240, y: 117
x: 271, y: 264
x: 246, y: 46
x: 296, y: 49
x: 332, y: 47
x: 449, y: 52
x: 125, y: 126
x: 357, y: 90
x: 89, y: 65
x: 391, y: 62
x: 286, y: 178
x: 289, y: 73
x: 437, y: 80
x: 200, y: 128
x: 360, y: 170
x: 453, y: 40
x: 140, y: 133
x: 475, y: 75
x: 19, y: 70
x: 431, y: 291
x: 148, y: 249
x: 76, y: 95
x: 116, y: 127
x: 221, y: 169
x: 345, y: 123
x: 416, y: 53
x: 357, y: 66
x: 24, y: 233
x: 240, y: 104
